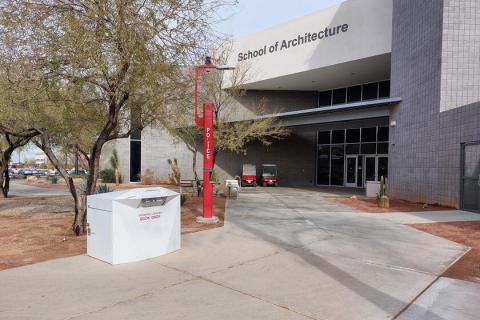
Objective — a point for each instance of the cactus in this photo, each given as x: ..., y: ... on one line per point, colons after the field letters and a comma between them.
x: 175, y: 175
x: 382, y: 199
x: 383, y: 186
x: 103, y: 188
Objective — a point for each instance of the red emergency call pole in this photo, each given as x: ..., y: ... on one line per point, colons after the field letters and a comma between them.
x: 208, y: 147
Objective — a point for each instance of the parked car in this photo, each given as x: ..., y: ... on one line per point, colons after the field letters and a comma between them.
x: 41, y: 172
x: 20, y: 174
x: 26, y: 171
x: 81, y: 172
x: 13, y: 170
x: 53, y: 173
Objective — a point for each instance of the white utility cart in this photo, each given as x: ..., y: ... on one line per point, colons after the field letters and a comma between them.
x: 133, y: 225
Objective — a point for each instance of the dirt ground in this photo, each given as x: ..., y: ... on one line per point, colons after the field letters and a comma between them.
x: 370, y: 205
x: 466, y: 233
x: 35, y: 229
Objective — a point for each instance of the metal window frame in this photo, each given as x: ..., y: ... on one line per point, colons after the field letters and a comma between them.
x: 346, y: 92
x: 376, y: 155
x: 462, y: 174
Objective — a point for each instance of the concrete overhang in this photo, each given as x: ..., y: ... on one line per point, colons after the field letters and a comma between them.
x: 366, y: 70
x: 298, y: 54
x: 346, y: 112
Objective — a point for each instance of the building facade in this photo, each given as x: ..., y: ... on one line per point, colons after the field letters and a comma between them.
x: 367, y: 88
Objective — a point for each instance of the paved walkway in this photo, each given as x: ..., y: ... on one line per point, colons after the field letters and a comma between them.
x: 432, y: 216
x: 446, y: 299
x: 283, y: 254
x: 19, y: 188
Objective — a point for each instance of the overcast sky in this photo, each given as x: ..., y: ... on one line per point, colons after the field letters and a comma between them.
x: 255, y: 15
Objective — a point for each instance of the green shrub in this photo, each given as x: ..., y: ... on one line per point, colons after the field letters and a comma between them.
x: 114, y: 160
x: 183, y: 199
x: 53, y: 179
x: 107, y: 175
x: 214, y: 176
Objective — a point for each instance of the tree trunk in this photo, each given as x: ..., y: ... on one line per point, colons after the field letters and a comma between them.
x: 4, y: 178
x: 117, y: 177
x: 194, y: 150
x: 93, y: 165
x: 6, y: 156
x: 105, y: 135
x: 6, y: 184
x: 78, y: 205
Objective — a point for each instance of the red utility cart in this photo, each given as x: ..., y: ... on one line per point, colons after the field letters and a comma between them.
x: 249, y: 175
x: 269, y: 175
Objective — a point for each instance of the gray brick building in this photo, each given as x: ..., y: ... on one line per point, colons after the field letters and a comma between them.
x: 436, y: 72
x: 368, y: 88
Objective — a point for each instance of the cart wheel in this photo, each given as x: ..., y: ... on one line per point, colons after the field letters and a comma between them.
x: 254, y: 184
x: 264, y: 184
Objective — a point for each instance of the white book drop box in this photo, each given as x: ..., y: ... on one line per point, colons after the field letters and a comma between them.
x: 133, y: 225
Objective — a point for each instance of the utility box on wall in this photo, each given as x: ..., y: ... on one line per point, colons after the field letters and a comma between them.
x: 372, y: 188
x: 133, y: 225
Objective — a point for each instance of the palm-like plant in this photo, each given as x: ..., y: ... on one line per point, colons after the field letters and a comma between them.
x: 114, y: 164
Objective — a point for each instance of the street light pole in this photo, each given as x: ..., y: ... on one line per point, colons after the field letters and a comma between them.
x: 208, y: 146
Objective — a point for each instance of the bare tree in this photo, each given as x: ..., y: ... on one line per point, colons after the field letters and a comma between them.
x: 233, y: 132
x: 9, y: 142
x: 17, y: 113
x: 122, y: 55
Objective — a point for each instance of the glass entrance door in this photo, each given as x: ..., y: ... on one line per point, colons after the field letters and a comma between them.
x: 376, y: 167
x: 470, y: 191
x: 351, y: 170
x: 370, y: 168
x: 382, y: 167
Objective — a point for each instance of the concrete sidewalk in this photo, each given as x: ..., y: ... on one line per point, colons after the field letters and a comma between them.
x: 446, y: 299
x: 432, y: 216
x: 20, y: 188
x: 283, y: 254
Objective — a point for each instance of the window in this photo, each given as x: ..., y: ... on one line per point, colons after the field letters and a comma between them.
x: 384, y: 89
x: 382, y: 148
x: 382, y: 133
x: 337, y: 148
x: 370, y: 91
x: 324, y: 137
x: 338, y: 136
x: 369, y: 134
x: 369, y: 148
x: 357, y: 93
x: 353, y: 148
x: 339, y: 96
x: 135, y: 160
x: 337, y: 165
x: 382, y: 168
x: 354, y: 94
x: 360, y: 172
x: 323, y: 165
x: 325, y: 98
x: 135, y: 155
x: 353, y: 135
